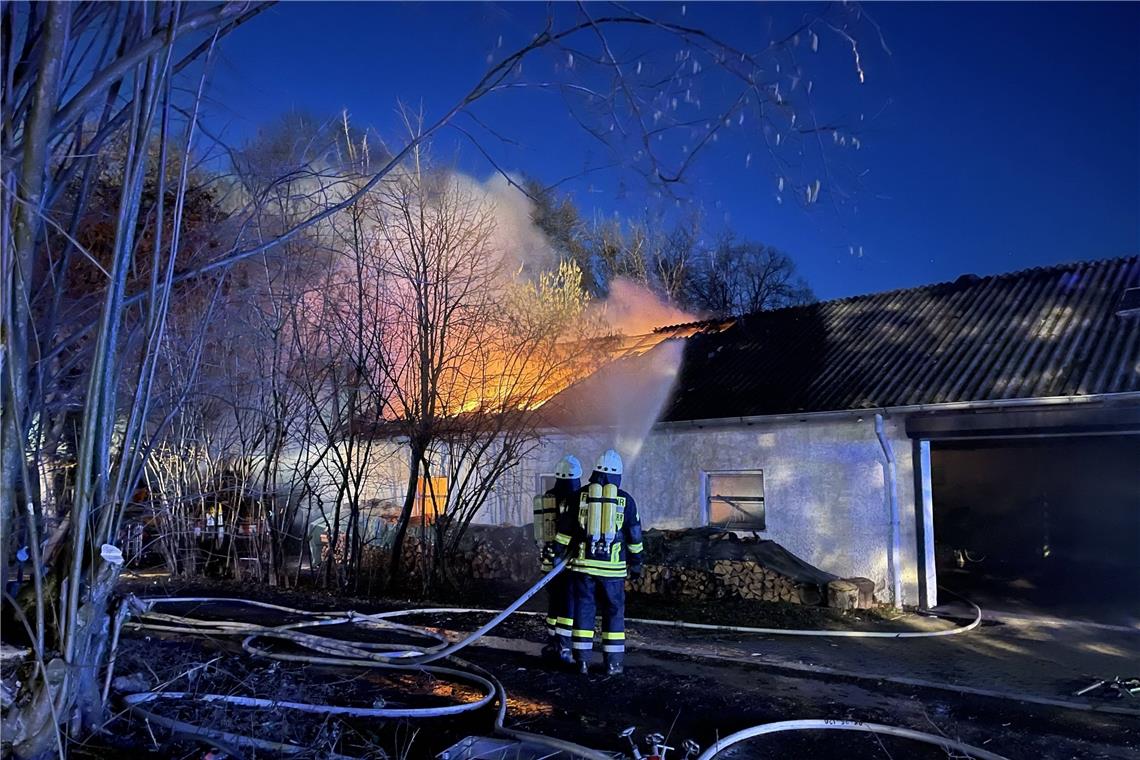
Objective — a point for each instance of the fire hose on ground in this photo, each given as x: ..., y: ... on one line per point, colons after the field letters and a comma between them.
x: 846, y: 725
x: 721, y: 628
x: 336, y: 652
x: 339, y: 653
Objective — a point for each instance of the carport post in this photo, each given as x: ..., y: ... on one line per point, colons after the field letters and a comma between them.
x: 890, y: 478
x: 924, y: 509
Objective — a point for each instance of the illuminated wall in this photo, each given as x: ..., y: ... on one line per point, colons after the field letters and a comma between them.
x: 824, y: 488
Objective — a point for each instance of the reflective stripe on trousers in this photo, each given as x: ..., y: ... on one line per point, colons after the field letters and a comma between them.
x: 591, y: 595
x: 559, y: 611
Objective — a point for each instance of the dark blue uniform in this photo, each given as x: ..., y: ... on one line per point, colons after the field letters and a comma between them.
x: 603, y: 541
x: 559, y: 610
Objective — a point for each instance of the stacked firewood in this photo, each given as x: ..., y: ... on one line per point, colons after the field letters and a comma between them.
x: 751, y: 580
x: 509, y: 554
x: 484, y: 561
x: 504, y: 554
x: 742, y: 579
x: 417, y: 554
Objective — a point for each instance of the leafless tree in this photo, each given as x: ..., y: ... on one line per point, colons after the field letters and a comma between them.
x: 66, y: 81
x: 729, y: 276
x: 81, y: 78
x: 653, y: 252
x: 541, y: 340
x: 467, y: 353
x: 742, y: 277
x: 342, y: 345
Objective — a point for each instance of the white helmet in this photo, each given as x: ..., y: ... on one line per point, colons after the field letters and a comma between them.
x: 569, y: 468
x: 609, y: 462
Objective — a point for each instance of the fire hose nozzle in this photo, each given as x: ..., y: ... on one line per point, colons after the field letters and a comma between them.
x: 657, y: 741
x: 628, y: 735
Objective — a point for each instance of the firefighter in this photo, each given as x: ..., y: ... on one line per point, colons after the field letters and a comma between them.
x: 548, y: 511
x: 604, y: 543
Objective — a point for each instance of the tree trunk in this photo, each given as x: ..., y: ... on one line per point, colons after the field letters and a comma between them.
x: 36, y: 732
x: 395, y: 569
x: 14, y: 359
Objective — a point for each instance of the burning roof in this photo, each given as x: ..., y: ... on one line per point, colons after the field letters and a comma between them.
x: 1037, y: 333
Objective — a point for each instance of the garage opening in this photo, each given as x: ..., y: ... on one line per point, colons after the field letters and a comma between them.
x: 1041, y: 526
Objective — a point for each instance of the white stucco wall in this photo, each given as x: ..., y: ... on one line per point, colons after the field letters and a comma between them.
x: 824, y: 487
x: 385, y: 479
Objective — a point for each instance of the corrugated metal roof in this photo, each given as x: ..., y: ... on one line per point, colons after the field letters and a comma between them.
x: 1037, y: 333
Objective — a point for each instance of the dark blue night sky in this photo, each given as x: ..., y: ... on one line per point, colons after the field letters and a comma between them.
x: 995, y: 136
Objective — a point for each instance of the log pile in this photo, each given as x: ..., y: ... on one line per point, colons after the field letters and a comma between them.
x: 483, y: 560
x: 742, y: 579
x: 692, y: 564
x: 498, y: 554
x: 842, y: 595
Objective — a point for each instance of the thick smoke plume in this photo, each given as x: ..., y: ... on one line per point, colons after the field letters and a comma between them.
x: 633, y: 309
x: 634, y: 389
x: 525, y: 248
x: 628, y: 397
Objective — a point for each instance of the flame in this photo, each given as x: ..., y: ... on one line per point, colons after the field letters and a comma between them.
x: 494, y: 373
x: 509, y: 346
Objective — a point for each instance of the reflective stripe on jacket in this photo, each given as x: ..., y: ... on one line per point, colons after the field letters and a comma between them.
x: 603, y: 538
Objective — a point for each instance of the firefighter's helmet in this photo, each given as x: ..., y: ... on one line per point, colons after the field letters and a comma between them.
x: 609, y: 462
x: 569, y: 468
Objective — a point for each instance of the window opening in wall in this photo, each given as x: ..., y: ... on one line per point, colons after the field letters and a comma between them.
x: 735, y: 500
x: 543, y: 482
x: 431, y: 498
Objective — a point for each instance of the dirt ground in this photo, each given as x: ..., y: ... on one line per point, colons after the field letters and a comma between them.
x: 697, y: 697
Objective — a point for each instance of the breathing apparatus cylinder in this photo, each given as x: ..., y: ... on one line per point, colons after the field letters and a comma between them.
x: 594, y: 512
x: 545, y: 519
x: 609, y: 513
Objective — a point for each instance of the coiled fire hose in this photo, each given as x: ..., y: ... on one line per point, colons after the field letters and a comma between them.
x: 338, y: 652
x: 950, y: 745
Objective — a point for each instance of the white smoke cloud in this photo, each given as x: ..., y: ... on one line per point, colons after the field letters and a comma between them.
x: 526, y: 246
x: 633, y: 309
x: 630, y: 309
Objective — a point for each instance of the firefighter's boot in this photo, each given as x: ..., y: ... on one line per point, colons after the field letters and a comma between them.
x: 615, y: 664
x: 550, y: 650
x: 565, y: 652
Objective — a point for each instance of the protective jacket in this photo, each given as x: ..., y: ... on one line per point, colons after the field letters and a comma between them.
x: 603, y: 536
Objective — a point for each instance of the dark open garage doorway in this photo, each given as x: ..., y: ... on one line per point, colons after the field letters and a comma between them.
x: 1041, y: 525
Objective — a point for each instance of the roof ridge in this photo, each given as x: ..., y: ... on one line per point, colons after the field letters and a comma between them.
x: 691, y: 323
x: 1050, y: 268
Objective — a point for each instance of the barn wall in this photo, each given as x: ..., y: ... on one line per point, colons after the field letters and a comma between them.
x: 823, y: 482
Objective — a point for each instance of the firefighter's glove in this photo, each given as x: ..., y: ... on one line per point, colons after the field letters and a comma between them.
x: 550, y: 553
x: 634, y: 572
